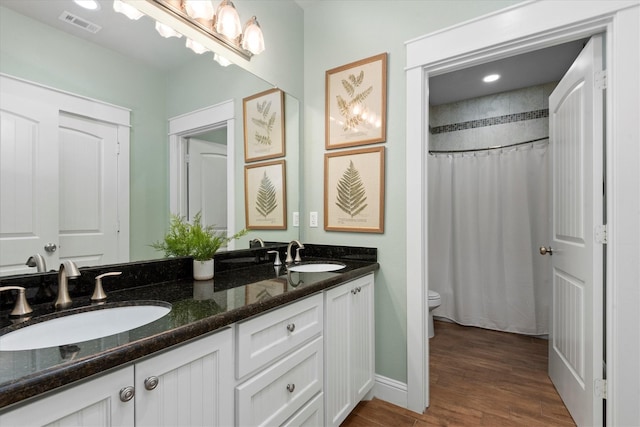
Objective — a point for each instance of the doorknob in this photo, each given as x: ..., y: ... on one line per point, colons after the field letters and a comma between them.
x: 545, y: 251
x: 50, y: 247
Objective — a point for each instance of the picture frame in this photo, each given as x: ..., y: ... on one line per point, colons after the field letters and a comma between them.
x: 356, y: 103
x: 263, y: 123
x: 354, y: 190
x: 265, y: 196
x: 264, y: 290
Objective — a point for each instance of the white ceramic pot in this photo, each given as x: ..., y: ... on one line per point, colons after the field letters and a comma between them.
x: 203, y: 270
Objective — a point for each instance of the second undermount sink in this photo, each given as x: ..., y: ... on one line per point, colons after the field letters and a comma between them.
x: 316, y: 267
x: 82, y: 326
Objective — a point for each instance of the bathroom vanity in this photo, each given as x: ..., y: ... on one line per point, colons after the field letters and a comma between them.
x: 257, y: 345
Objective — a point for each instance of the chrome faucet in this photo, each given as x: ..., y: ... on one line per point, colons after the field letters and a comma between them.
x: 68, y: 270
x: 290, y: 259
x: 257, y: 240
x: 37, y: 261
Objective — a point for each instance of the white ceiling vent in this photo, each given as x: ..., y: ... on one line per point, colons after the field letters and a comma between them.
x: 79, y: 22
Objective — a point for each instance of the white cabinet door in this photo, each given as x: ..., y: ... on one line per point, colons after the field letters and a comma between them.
x: 193, y: 385
x: 362, y: 337
x: 93, y: 403
x: 349, y: 347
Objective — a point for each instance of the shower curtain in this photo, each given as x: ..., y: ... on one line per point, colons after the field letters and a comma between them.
x: 488, y: 214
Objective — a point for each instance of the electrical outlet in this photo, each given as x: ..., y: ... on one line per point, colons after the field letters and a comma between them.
x: 296, y: 219
x: 313, y: 219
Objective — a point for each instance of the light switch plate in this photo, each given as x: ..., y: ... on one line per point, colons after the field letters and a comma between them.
x: 296, y: 219
x: 313, y: 219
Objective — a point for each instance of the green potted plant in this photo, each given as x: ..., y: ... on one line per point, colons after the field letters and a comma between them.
x: 196, y: 240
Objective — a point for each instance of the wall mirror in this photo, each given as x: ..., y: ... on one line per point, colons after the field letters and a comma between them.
x: 126, y: 63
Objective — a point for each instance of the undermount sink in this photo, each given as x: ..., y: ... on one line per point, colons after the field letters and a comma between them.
x: 82, y: 326
x: 316, y: 267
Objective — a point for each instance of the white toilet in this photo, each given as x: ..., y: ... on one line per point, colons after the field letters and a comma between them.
x: 434, y: 302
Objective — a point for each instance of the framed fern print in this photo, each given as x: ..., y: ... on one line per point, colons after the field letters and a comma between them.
x: 356, y: 103
x: 264, y: 125
x: 265, y: 196
x: 354, y: 190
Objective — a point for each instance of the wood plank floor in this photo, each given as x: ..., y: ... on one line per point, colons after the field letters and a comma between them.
x: 478, y: 378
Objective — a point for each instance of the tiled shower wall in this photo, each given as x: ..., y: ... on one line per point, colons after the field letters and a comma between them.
x: 504, y: 118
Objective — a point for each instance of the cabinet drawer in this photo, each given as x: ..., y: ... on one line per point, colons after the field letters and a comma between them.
x: 275, y: 394
x: 311, y: 415
x: 267, y: 337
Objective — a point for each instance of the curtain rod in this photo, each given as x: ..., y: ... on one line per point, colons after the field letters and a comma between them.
x: 488, y: 148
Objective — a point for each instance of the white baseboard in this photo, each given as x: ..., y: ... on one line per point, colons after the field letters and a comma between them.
x: 389, y: 390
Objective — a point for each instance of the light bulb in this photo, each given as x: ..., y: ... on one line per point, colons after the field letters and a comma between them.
x: 252, y: 39
x: 166, y: 31
x: 199, y: 9
x: 196, y: 47
x: 88, y: 4
x: 228, y: 21
x: 221, y: 60
x: 127, y: 10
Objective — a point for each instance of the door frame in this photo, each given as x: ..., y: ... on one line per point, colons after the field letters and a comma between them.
x: 528, y: 26
x: 192, y: 123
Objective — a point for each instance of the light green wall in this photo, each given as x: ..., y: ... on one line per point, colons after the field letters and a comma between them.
x: 337, y: 33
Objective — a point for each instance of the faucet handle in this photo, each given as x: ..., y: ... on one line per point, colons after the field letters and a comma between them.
x: 277, y: 261
x: 298, y: 258
x: 21, y: 308
x: 98, y: 292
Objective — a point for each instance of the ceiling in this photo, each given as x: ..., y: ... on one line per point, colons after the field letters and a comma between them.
x: 118, y: 32
x: 529, y: 69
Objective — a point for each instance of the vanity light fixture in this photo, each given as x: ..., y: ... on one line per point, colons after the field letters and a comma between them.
x: 491, y: 78
x: 201, y: 24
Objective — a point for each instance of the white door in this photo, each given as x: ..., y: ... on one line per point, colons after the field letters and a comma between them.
x: 88, y: 196
x: 28, y: 182
x: 575, y: 339
x: 208, y: 182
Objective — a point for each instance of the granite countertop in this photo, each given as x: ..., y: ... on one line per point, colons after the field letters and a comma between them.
x: 198, y: 308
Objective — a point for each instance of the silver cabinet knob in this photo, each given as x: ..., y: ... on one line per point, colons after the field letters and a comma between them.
x: 545, y: 251
x: 151, y: 383
x: 353, y: 291
x: 291, y: 387
x: 291, y: 327
x: 127, y: 393
x: 50, y: 247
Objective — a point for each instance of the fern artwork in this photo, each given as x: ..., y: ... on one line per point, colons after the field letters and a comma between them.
x: 354, y: 190
x: 266, y: 201
x: 265, y: 190
x: 351, y: 194
x: 356, y: 103
x: 264, y: 125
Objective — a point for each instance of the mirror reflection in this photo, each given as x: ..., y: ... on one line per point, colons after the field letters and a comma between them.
x: 127, y: 65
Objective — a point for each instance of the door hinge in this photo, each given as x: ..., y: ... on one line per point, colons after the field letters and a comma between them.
x: 118, y: 148
x: 187, y: 158
x: 600, y: 388
x: 600, y: 79
x: 600, y: 234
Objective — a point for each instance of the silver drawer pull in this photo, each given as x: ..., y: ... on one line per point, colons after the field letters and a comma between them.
x: 127, y: 393
x: 291, y: 327
x: 354, y: 291
x: 358, y: 289
x: 291, y: 387
x: 151, y: 383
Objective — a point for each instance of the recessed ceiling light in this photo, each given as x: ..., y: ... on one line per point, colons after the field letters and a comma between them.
x: 491, y: 78
x: 88, y: 4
